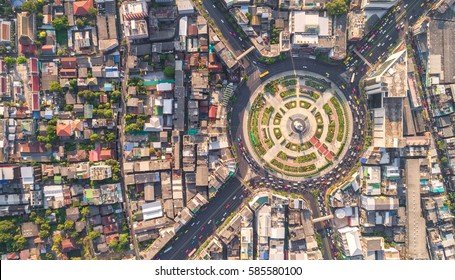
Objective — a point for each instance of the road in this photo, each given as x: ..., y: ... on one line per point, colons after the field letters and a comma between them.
x: 206, y: 221
x: 392, y: 27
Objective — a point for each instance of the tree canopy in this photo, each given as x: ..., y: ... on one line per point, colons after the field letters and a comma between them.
x: 169, y: 71
x: 60, y: 23
x: 21, y: 59
x: 55, y: 87
x: 337, y: 7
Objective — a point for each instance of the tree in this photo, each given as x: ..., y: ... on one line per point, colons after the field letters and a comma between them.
x: 110, y: 137
x: 115, y: 96
x: 85, y: 211
x: 94, y: 235
x: 94, y: 137
x: 108, y: 114
x: 444, y: 160
x: 60, y: 23
x: 69, y: 225
x: 80, y: 23
x: 169, y: 71
x: 10, y: 61
x: 55, y: 87
x: 92, y: 12
x: 43, y: 234
x: 337, y: 7
x: 19, y: 242
x: 42, y: 35
x: 21, y: 59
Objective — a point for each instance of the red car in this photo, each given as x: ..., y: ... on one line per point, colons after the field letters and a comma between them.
x: 227, y: 206
x: 200, y: 236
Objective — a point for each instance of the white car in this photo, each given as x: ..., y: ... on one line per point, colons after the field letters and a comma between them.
x: 222, y: 21
x: 304, y: 67
x: 214, y: 6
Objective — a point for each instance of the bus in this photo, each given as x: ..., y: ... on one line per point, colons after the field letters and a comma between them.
x: 352, y: 78
x: 191, y: 253
x: 264, y: 74
x: 167, y: 249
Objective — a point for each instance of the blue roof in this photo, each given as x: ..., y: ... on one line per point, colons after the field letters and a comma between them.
x: 264, y: 255
x: 107, y: 87
x: 363, y: 160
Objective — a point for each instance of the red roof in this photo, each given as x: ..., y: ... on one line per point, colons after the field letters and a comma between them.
x: 81, y: 7
x: 32, y: 148
x: 69, y: 62
x: 93, y: 156
x: 68, y: 73
x: 35, y: 99
x: 34, y: 83
x: 63, y: 129
x: 2, y: 66
x: 34, y: 65
x: 212, y: 112
x: 68, y: 245
x: 2, y: 85
x: 105, y: 154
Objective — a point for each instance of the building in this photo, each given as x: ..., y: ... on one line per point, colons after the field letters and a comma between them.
x: 373, y: 248
x: 81, y: 8
x: 309, y: 29
x: 351, y: 246
x: 152, y: 210
x: 246, y: 243
x: 387, y: 89
x: 132, y: 17
x: 100, y: 172
x: 26, y: 31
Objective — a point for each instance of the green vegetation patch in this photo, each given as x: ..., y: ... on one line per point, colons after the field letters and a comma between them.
x: 291, y: 105
x: 277, y: 119
x: 266, y: 115
x: 288, y: 93
x: 277, y: 133
x: 327, y: 109
x: 305, y: 158
x: 330, y: 133
x: 282, y: 155
x: 304, y: 104
x: 289, y: 83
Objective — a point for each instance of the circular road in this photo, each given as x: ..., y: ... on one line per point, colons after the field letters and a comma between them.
x: 241, y: 136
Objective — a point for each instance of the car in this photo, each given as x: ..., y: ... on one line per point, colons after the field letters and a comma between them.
x: 371, y: 54
x: 186, y: 231
x: 227, y: 205
x: 421, y: 5
x: 222, y: 21
x: 200, y: 236
x: 240, y: 40
x: 304, y: 67
x: 202, y: 228
x: 214, y: 6
x: 234, y: 197
x: 342, y: 86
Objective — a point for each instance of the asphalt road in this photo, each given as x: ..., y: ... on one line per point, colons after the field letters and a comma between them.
x: 387, y: 32
x: 228, y: 200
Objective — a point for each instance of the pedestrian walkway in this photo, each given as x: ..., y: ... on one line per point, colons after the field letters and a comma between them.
x: 363, y: 58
